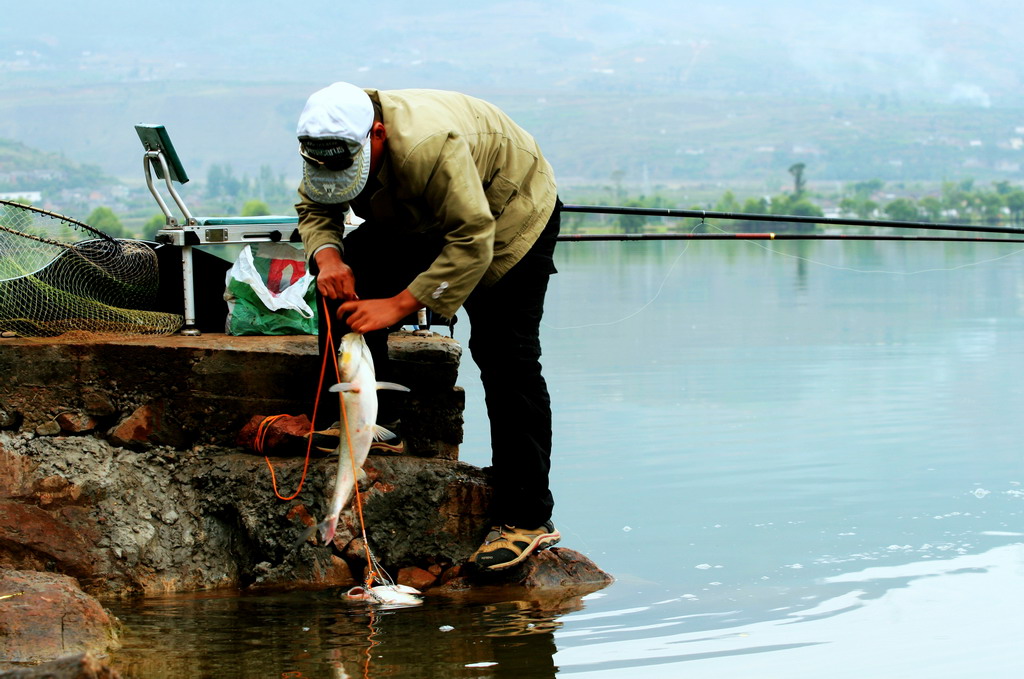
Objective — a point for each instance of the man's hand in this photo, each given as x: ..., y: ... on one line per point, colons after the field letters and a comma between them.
x: 335, y: 279
x: 374, y: 314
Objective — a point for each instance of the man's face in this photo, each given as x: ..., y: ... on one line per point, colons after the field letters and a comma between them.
x: 378, y: 136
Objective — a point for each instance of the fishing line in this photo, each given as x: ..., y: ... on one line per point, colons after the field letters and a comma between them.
x: 639, y: 311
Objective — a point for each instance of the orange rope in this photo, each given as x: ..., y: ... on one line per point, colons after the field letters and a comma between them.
x: 373, y: 643
x: 261, y: 432
x: 263, y: 429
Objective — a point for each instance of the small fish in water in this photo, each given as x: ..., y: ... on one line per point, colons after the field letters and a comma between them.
x: 358, y: 389
x: 393, y: 595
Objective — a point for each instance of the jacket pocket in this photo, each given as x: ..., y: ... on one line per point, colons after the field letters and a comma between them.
x: 499, y: 192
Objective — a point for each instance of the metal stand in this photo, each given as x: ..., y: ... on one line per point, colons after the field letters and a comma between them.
x: 161, y: 158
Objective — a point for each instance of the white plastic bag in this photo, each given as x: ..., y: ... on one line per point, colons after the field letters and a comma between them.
x: 270, y: 292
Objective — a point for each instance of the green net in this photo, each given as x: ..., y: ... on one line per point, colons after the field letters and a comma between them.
x: 59, y: 276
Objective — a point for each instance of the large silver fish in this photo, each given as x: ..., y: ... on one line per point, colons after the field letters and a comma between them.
x: 388, y: 595
x: 358, y: 388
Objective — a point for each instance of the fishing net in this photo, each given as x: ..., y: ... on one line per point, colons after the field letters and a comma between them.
x: 60, y: 276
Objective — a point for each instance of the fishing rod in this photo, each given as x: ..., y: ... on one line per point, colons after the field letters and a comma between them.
x: 775, y: 236
x: 795, y: 219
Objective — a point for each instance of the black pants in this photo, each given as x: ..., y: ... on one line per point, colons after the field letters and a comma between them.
x: 504, y: 343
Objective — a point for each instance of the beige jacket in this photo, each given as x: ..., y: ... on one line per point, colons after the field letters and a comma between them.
x: 457, y: 166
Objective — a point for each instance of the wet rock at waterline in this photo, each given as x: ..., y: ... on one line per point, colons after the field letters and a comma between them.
x: 162, y: 520
x: 74, y: 666
x: 46, y: 615
x: 128, y: 478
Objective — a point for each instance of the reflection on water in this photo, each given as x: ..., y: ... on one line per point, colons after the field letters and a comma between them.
x: 796, y: 461
x: 323, y: 635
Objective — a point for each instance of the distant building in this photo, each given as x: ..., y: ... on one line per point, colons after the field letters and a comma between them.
x: 31, y: 196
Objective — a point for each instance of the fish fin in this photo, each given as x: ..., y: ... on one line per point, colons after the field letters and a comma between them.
x: 304, y: 538
x: 344, y: 386
x: 382, y: 434
x: 391, y: 385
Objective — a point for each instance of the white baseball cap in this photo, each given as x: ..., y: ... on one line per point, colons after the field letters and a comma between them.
x: 334, y: 141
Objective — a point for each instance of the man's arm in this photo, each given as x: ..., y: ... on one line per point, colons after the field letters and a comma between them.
x: 373, y: 314
x: 334, y: 277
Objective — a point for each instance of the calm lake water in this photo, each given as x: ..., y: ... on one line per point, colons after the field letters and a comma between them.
x: 797, y: 459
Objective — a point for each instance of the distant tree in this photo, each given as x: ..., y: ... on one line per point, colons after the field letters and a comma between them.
x: 632, y: 223
x: 990, y: 206
x: 270, y: 187
x: 862, y: 206
x: 214, y: 180
x: 755, y: 205
x: 932, y: 208
x: 1003, y: 188
x: 1015, y: 204
x: 104, y: 219
x: 255, y: 208
x: 617, y: 176
x: 152, y: 225
x: 797, y: 170
x: 902, y: 210
x: 798, y: 206
x: 804, y: 208
x: 727, y: 203
x: 867, y: 188
x: 571, y: 221
x: 958, y: 197
x: 221, y: 181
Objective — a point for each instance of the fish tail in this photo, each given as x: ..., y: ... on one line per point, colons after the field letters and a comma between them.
x: 327, y: 528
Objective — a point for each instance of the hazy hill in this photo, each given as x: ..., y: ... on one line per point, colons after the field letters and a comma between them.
x: 653, y: 139
x: 663, y: 90
x: 934, y: 49
x: 27, y: 169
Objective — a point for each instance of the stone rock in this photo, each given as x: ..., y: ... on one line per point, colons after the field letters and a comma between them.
x: 150, y: 424
x: 160, y: 520
x: 75, y: 666
x: 425, y: 363
x: 48, y: 428
x: 170, y: 504
x: 76, y: 423
x: 559, y: 568
x: 9, y: 419
x: 556, y: 573
x: 332, y: 572
x: 56, y: 491
x: 46, y: 616
x: 32, y: 538
x: 416, y: 577
x: 16, y: 475
x: 212, y: 384
x: 97, y: 404
x: 437, y: 436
